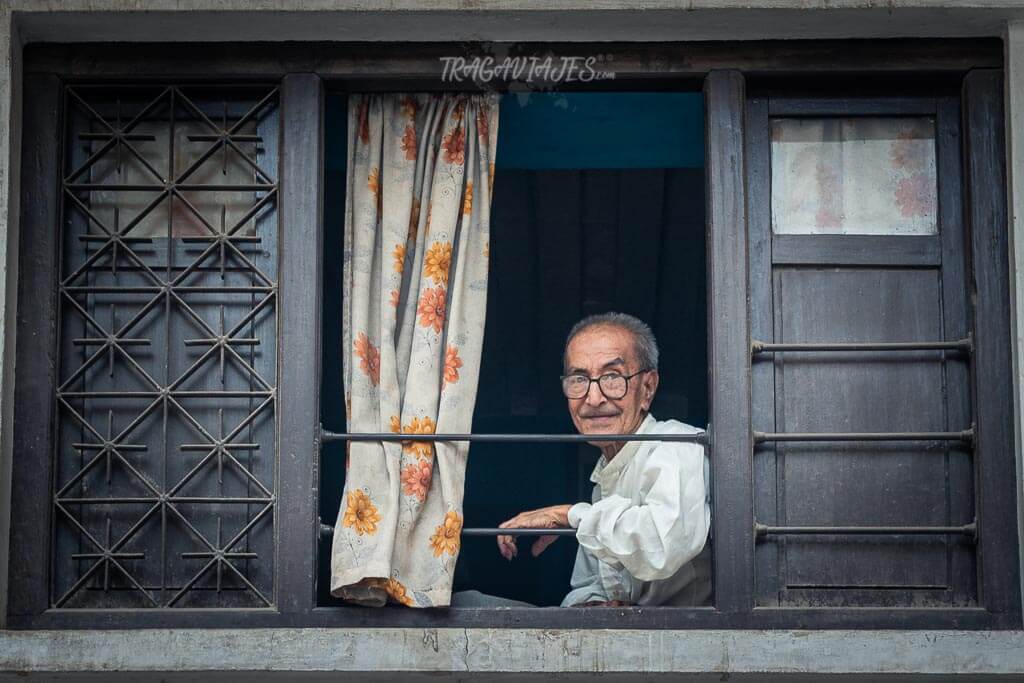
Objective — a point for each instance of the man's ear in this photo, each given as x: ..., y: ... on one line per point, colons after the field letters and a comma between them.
x: 648, y: 388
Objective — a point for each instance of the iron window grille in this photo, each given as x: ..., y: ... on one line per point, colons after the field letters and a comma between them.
x: 164, y: 477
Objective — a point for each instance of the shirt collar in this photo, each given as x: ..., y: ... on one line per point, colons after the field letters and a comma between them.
x: 607, y: 472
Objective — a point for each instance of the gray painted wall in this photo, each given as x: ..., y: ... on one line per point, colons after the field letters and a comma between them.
x: 743, y: 654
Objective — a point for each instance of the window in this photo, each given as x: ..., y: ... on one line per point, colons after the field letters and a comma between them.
x: 163, y: 481
x: 935, y: 276
x: 598, y: 205
x: 871, y: 178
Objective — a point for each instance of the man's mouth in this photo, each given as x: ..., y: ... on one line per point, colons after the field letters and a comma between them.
x: 598, y: 417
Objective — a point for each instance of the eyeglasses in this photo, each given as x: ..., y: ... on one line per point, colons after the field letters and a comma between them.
x: 613, y: 385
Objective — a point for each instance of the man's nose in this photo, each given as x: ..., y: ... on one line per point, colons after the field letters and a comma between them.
x: 594, y: 395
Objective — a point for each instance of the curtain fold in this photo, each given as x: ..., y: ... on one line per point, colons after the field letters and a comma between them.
x: 420, y: 173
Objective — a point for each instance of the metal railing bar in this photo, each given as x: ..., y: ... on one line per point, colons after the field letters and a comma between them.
x: 133, y: 187
x: 172, y: 392
x: 125, y: 500
x: 330, y: 437
x: 154, y: 289
x: 966, y: 435
x: 326, y: 531
x: 965, y: 345
x: 762, y: 530
x: 491, y: 531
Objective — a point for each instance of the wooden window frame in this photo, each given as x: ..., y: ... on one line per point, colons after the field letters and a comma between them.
x: 725, y: 69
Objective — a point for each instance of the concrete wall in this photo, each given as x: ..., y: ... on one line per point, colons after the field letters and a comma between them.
x: 705, y: 655
x: 748, y: 655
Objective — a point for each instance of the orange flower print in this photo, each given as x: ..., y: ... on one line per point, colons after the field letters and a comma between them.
x: 454, y: 146
x: 437, y: 262
x: 416, y: 479
x: 431, y: 308
x: 361, y: 514
x: 369, y: 358
x: 409, y: 106
x: 396, y: 424
x: 373, y: 181
x: 490, y: 178
x: 421, y: 449
x: 467, y: 201
x: 364, y: 121
x: 482, y: 121
x: 916, y: 195
x: 399, y: 255
x: 394, y: 298
x: 409, y: 143
x: 452, y: 363
x: 414, y: 221
x: 906, y: 151
x: 446, y: 536
x: 397, y: 592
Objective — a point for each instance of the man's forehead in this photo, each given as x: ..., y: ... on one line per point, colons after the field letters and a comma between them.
x: 600, y: 346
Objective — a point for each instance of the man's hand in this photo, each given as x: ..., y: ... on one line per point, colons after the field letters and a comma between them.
x: 554, y: 517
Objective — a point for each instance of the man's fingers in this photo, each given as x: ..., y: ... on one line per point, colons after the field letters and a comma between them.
x: 507, y: 547
x: 541, y: 544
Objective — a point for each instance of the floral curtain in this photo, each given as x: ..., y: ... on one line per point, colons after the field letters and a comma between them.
x: 420, y: 171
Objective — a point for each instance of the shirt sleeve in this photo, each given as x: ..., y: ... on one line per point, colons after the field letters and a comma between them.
x: 586, y: 581
x: 664, y: 530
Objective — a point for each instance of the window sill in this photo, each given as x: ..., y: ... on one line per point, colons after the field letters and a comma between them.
x: 738, y: 653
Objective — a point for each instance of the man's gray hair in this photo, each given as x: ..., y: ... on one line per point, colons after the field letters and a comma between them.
x: 643, y: 338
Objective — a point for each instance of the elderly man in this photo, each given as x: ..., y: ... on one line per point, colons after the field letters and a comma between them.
x: 643, y: 537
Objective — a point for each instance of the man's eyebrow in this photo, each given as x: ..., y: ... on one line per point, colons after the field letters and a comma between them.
x: 616, y: 361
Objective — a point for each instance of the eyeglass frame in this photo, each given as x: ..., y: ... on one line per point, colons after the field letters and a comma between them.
x: 598, y: 380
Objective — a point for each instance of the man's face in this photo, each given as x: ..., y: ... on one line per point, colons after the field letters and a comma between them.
x: 602, y: 349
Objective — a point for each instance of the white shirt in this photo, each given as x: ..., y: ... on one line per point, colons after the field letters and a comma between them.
x: 643, y: 537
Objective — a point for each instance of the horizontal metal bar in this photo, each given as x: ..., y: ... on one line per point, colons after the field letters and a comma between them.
x: 219, y: 136
x: 229, y: 238
x: 187, y: 187
x: 131, y: 137
x: 329, y: 437
x: 966, y: 345
x: 966, y: 435
x: 485, y: 531
x: 145, y: 289
x: 762, y: 530
x: 93, y: 341
x: 121, y: 238
x: 124, y: 500
x: 174, y: 394
x: 326, y: 531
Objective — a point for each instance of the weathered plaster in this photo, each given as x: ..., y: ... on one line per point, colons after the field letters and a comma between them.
x: 1014, y: 97
x: 515, y: 651
x: 558, y: 20
x: 195, y: 654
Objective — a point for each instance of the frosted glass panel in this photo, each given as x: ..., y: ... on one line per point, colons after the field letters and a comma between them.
x: 223, y: 168
x: 853, y: 176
